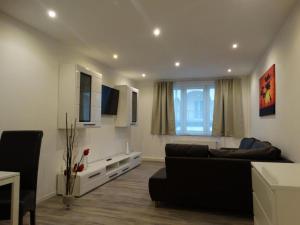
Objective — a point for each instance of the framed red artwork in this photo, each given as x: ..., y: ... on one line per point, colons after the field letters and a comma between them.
x: 267, y: 95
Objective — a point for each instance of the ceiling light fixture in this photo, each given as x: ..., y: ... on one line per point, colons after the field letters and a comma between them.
x: 235, y: 45
x: 229, y: 70
x: 177, y: 64
x: 143, y: 75
x: 115, y: 56
x: 156, y: 32
x: 51, y: 13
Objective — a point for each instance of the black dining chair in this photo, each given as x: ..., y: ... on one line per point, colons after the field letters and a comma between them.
x: 20, y: 152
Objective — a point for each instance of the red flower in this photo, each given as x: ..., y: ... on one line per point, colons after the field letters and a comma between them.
x: 80, y: 168
x: 86, y: 152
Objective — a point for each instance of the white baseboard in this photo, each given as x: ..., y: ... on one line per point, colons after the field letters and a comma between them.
x: 45, y: 197
x: 153, y: 159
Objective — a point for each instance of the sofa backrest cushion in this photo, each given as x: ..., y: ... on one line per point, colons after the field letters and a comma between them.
x: 246, y: 143
x: 261, y: 144
x: 186, y: 150
x: 266, y: 153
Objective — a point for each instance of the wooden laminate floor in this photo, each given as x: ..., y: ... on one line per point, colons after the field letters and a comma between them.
x: 125, y: 201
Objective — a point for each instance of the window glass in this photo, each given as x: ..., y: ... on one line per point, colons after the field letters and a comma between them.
x: 85, y: 97
x: 193, y: 104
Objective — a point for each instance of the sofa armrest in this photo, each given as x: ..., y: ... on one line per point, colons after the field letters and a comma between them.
x: 159, y: 175
x: 158, y: 186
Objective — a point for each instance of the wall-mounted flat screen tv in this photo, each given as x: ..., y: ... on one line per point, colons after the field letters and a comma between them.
x: 109, y: 101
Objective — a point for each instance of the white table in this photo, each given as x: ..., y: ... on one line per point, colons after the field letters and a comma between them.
x: 12, y: 178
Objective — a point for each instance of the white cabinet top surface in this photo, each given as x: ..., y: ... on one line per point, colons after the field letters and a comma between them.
x: 279, y: 175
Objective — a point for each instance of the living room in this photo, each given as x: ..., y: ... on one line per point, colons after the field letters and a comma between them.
x: 149, y: 53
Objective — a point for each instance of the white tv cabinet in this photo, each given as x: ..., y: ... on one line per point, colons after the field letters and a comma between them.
x: 276, y: 193
x: 100, y: 172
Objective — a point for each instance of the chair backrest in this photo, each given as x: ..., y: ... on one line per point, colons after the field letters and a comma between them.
x: 20, y: 152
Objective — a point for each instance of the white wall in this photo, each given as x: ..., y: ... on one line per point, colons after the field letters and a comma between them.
x: 153, y: 146
x: 29, y: 65
x: 282, y: 129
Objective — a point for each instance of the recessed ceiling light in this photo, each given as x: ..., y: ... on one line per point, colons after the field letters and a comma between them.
x: 156, y: 32
x: 235, y: 45
x: 51, y: 13
x: 143, y: 75
x: 229, y: 70
x: 177, y: 64
x: 115, y: 56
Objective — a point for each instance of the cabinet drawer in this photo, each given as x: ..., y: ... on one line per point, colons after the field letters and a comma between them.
x: 264, y: 195
x: 260, y: 217
x: 90, y: 177
x: 135, y: 161
x: 91, y: 184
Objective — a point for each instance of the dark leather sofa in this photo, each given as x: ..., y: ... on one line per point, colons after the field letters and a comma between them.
x: 211, y: 179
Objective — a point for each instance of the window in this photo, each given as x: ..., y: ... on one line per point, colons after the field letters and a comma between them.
x: 194, y: 107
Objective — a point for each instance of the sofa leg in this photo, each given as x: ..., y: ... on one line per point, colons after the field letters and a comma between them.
x: 157, y: 204
x: 32, y: 217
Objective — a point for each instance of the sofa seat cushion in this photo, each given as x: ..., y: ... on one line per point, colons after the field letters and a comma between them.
x: 186, y: 150
x: 269, y: 153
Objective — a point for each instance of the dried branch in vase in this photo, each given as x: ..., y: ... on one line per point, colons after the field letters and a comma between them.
x: 70, y: 156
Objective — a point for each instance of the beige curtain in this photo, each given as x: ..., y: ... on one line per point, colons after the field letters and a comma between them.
x: 163, y: 116
x: 228, y: 118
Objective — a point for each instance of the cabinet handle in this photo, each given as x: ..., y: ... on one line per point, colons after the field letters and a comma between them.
x: 125, y: 169
x: 113, y: 175
x: 94, y: 175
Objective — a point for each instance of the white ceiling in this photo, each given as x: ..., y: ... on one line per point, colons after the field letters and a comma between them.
x: 198, y: 33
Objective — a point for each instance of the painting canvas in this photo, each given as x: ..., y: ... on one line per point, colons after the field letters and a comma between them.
x: 267, y: 99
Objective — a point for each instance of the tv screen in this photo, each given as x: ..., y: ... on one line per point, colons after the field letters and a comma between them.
x: 109, y: 101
